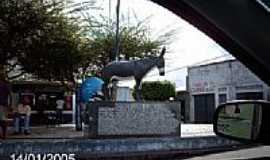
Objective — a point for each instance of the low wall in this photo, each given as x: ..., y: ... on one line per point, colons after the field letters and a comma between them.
x: 132, y: 119
x: 87, y: 148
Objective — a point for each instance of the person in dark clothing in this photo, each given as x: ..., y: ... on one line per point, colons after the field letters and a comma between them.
x: 4, y: 99
x: 4, y: 93
x: 3, y: 122
x: 42, y: 104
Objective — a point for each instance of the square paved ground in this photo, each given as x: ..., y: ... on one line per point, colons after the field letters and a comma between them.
x: 62, y: 131
x: 68, y: 131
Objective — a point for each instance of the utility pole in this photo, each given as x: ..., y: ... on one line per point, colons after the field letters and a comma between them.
x: 117, y: 36
x: 110, y: 11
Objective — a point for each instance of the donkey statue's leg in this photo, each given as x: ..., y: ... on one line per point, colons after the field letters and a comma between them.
x: 138, y: 96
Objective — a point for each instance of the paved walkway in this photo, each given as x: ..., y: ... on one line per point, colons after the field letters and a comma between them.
x: 62, y: 131
x: 68, y: 131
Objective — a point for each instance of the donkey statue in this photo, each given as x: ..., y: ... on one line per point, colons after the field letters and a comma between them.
x: 133, y: 68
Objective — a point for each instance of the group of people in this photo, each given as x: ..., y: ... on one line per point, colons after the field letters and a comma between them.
x: 20, y: 115
x: 43, y: 104
x: 21, y: 118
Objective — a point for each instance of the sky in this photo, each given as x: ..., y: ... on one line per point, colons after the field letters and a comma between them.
x: 189, y: 46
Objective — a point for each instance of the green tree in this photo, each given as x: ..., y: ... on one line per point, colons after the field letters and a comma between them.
x: 46, y: 42
x: 158, y: 90
x: 135, y: 40
x: 39, y: 38
x: 20, y: 24
x: 58, y: 54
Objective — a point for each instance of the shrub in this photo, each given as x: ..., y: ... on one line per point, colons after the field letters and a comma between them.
x: 157, y: 90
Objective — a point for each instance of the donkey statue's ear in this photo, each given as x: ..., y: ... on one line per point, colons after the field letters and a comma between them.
x: 163, y: 51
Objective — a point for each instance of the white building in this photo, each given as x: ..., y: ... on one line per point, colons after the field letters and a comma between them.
x: 212, y: 84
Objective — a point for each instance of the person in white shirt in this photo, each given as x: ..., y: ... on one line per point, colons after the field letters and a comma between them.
x: 59, y: 110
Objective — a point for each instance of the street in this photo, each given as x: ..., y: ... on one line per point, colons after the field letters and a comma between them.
x: 250, y: 153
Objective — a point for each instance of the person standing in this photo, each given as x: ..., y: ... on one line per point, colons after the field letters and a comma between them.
x: 23, y: 114
x: 59, y: 110
x: 42, y: 104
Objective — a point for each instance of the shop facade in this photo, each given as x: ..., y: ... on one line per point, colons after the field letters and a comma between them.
x: 212, y: 84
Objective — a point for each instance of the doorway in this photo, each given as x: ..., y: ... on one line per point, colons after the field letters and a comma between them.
x: 204, y: 107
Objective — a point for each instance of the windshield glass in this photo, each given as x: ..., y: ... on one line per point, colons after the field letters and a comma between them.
x: 115, y: 77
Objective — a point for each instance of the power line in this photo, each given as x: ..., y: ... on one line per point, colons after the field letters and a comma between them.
x: 186, y: 66
x: 194, y: 64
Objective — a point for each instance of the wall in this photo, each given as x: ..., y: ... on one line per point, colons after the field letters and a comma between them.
x: 228, y: 77
x: 133, y: 119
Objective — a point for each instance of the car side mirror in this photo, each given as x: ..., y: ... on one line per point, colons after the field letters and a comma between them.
x: 243, y: 121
